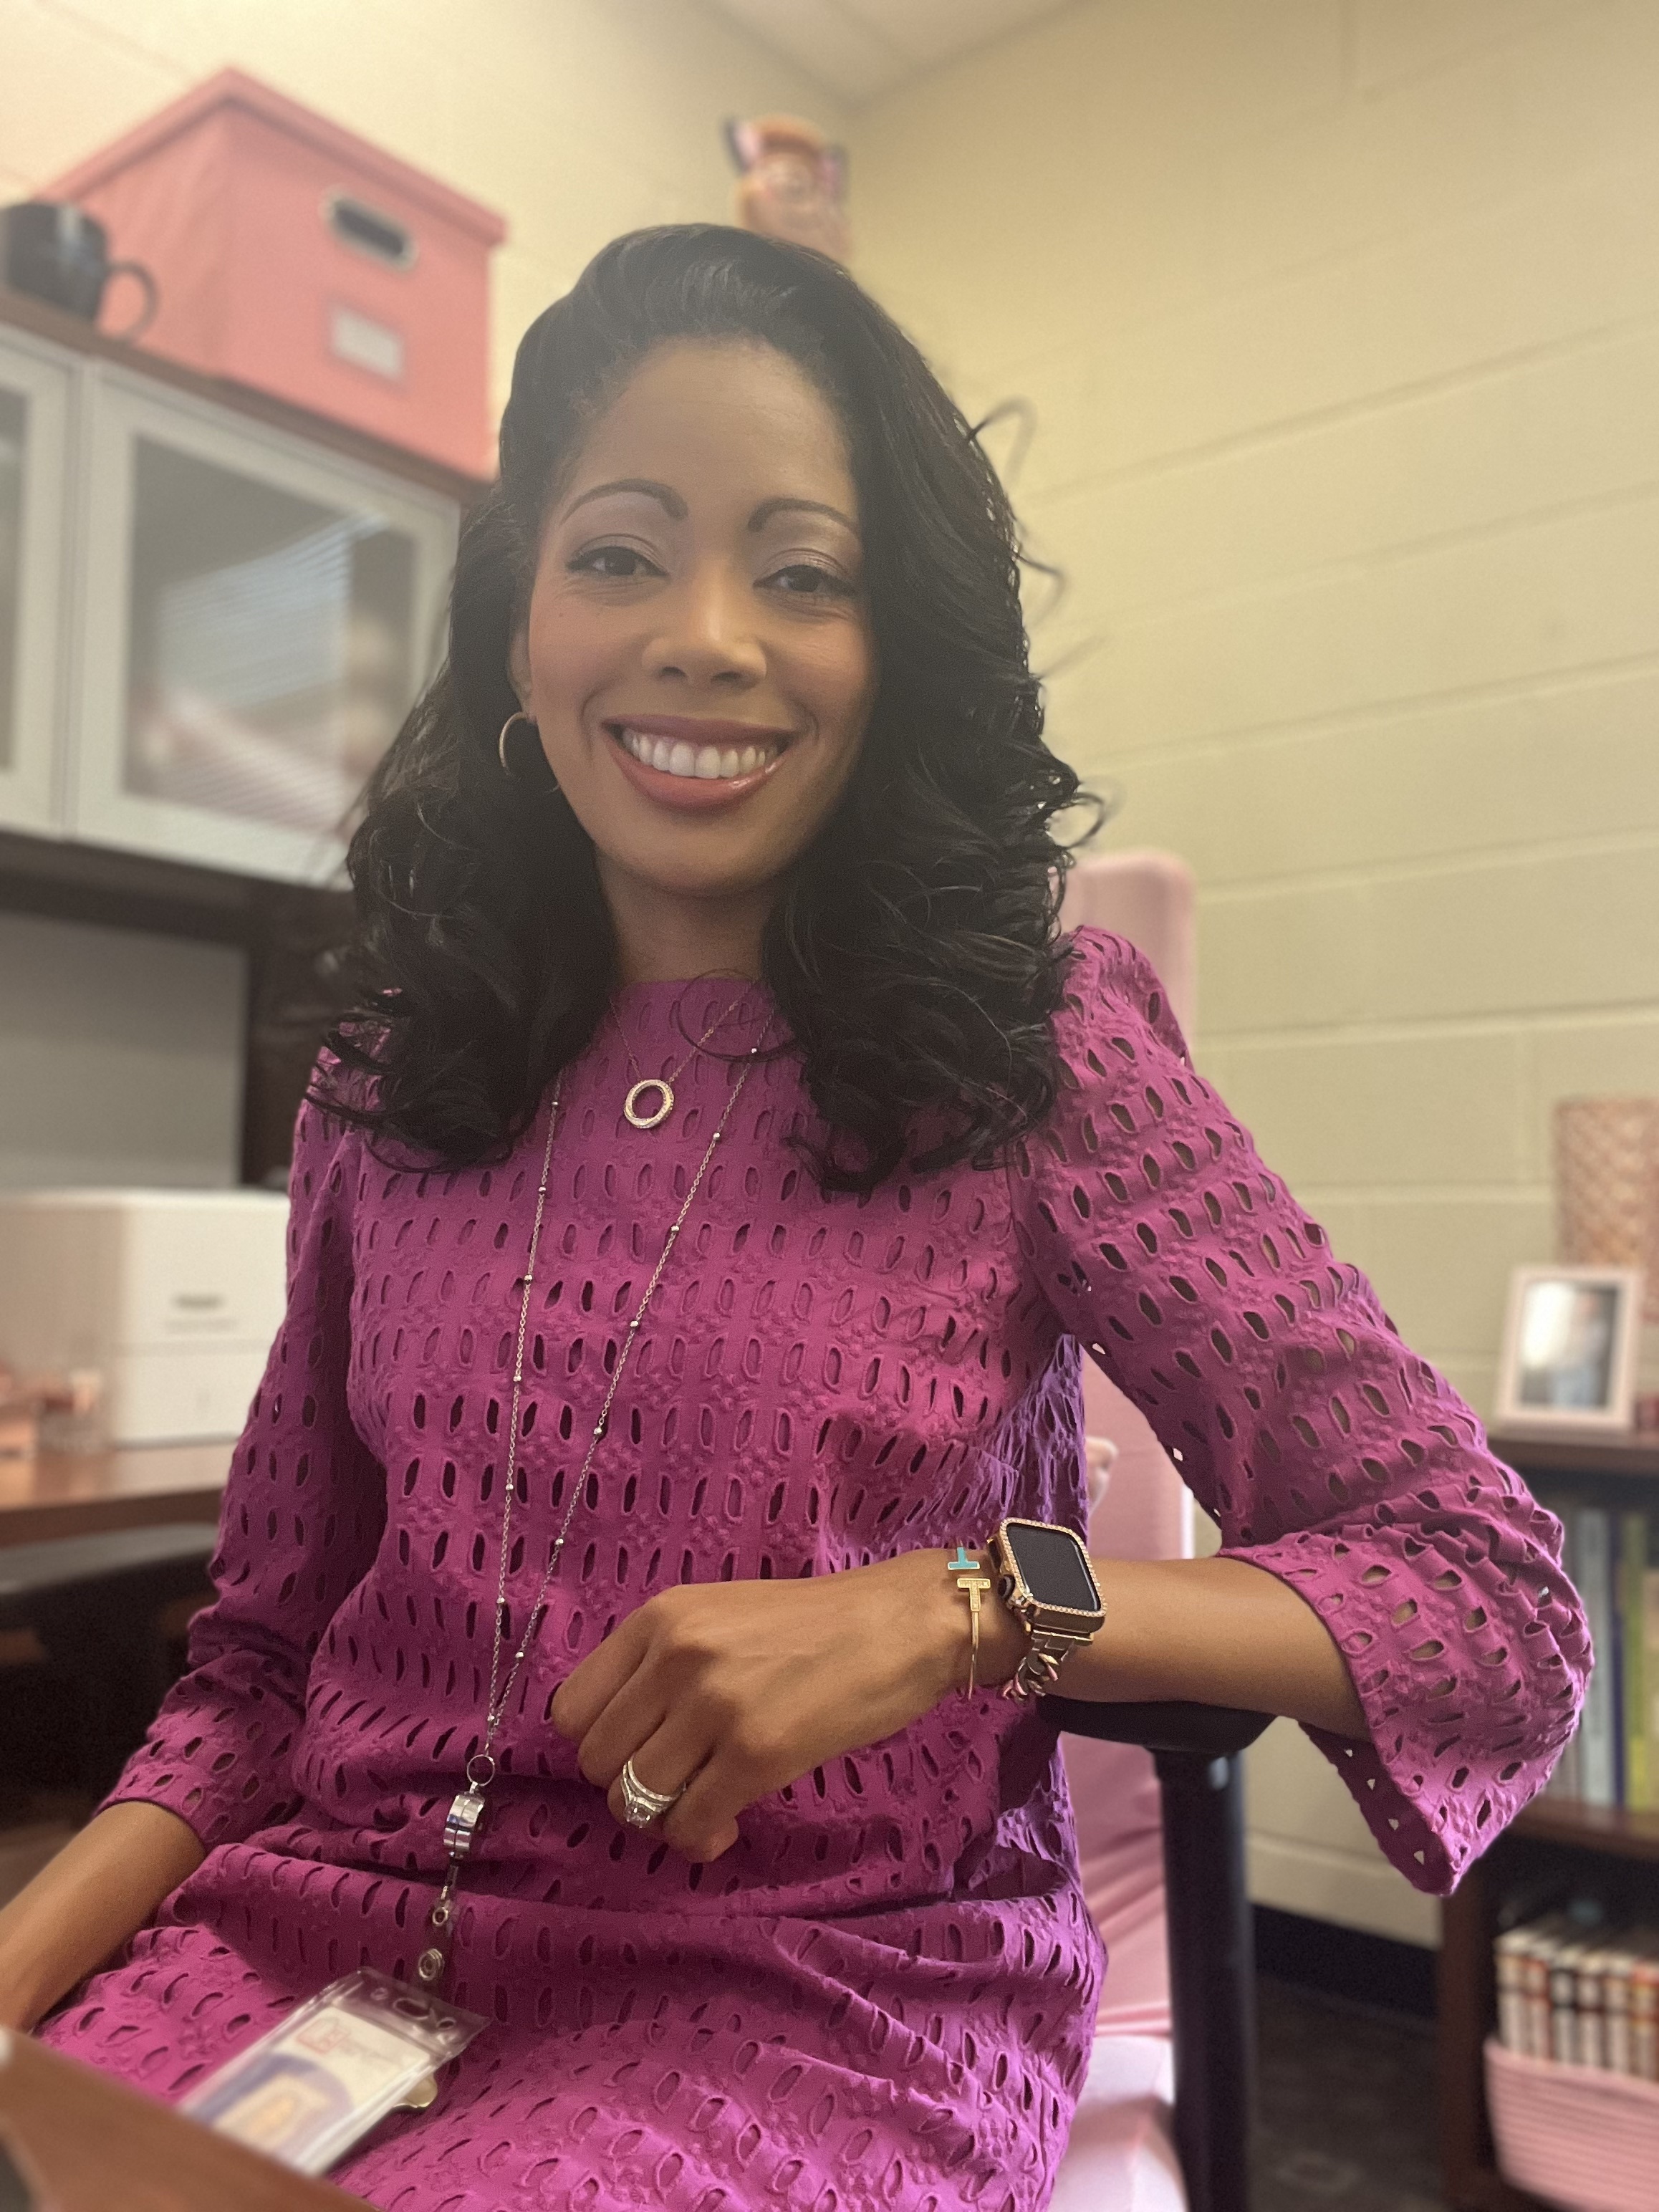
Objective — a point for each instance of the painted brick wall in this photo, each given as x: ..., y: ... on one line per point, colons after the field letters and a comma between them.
x: 1341, y: 319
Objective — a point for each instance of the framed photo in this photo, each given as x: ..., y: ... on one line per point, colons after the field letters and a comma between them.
x: 1570, y: 1350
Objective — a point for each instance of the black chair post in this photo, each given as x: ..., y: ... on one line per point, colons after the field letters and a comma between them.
x: 1211, y: 1976
x: 1195, y: 1750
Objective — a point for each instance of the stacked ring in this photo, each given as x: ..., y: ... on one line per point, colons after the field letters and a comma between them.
x: 641, y: 1805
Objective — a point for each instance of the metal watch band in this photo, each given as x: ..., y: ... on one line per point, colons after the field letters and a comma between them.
x: 1038, y: 1672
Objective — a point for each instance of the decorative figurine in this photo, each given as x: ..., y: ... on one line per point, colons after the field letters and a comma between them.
x: 792, y: 183
x: 25, y: 1399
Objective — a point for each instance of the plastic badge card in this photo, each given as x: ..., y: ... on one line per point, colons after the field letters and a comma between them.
x: 315, y: 2086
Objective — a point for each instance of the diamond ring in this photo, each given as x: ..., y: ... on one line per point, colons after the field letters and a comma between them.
x: 642, y: 1805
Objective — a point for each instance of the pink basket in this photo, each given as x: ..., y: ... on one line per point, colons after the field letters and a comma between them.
x: 1580, y: 2138
x: 295, y: 257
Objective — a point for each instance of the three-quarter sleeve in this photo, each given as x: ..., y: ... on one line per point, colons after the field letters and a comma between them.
x: 303, y: 1511
x: 1330, y: 1455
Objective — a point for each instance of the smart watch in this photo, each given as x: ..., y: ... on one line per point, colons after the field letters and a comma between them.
x: 1045, y: 1580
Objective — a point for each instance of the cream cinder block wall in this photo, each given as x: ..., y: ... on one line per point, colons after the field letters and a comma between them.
x: 577, y: 119
x: 1341, y: 319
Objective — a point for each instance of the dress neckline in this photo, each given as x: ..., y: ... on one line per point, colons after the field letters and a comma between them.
x: 681, y: 1009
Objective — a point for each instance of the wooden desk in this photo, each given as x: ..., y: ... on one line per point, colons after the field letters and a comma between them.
x: 91, y: 2146
x: 85, y: 1493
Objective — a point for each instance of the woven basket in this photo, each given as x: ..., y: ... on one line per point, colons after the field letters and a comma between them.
x: 1607, y: 1188
x: 1580, y: 2138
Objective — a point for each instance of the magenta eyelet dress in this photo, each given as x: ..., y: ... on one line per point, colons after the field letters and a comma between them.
x: 883, y: 1994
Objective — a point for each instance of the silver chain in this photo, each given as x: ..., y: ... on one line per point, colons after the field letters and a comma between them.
x: 495, y: 1711
x: 467, y: 1808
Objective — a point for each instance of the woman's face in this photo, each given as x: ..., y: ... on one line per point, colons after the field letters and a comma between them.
x: 698, y: 652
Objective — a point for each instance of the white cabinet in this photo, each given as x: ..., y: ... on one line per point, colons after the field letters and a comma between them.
x: 210, y: 627
x: 35, y: 388
x: 260, y: 617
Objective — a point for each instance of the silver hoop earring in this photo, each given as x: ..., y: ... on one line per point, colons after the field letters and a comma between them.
x: 500, y: 744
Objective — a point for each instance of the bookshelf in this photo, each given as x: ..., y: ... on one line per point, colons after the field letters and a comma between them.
x: 1554, y: 1838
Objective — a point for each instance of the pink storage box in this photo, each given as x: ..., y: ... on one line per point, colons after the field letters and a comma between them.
x: 293, y: 256
x: 1575, y: 2135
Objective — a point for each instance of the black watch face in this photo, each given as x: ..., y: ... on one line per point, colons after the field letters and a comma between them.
x: 1056, y: 1571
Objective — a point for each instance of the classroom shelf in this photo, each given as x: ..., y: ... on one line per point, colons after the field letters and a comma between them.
x: 1610, y: 1828
x: 1553, y: 1831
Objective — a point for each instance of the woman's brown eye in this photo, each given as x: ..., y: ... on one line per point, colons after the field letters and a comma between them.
x: 803, y: 581
x: 611, y: 561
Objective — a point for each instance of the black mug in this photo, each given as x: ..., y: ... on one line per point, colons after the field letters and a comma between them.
x: 57, y: 252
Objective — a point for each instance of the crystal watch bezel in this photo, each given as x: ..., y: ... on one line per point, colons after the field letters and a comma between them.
x: 1034, y: 1612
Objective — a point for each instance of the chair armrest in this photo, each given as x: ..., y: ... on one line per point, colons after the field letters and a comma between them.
x: 135, y: 1568
x: 1207, y: 1731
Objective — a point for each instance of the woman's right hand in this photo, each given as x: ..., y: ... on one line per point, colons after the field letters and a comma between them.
x: 85, y: 1904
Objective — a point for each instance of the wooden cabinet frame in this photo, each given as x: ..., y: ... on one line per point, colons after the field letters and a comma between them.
x: 31, y: 796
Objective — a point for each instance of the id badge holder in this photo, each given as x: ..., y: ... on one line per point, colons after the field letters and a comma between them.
x: 310, y: 2091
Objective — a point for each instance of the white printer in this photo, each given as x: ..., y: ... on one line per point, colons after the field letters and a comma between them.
x: 173, y: 1295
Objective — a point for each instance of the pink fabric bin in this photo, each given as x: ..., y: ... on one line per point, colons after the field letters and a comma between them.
x: 1575, y: 2135
x: 294, y: 256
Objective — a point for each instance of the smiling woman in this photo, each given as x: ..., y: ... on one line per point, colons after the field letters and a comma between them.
x: 735, y: 508
x: 674, y: 1444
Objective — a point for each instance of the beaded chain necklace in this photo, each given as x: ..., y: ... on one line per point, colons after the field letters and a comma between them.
x: 464, y: 1817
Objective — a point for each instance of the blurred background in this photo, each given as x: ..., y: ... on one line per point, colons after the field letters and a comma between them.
x: 1319, y: 343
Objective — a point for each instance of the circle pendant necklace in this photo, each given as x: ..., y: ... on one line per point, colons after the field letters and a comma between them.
x: 660, y: 1088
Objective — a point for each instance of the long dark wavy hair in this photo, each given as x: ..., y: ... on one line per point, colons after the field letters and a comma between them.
x: 912, y: 951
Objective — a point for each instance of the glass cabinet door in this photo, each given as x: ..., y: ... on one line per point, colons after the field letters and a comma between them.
x: 34, y: 390
x: 260, y: 621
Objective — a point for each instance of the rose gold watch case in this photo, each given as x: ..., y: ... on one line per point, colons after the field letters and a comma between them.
x: 1022, y: 1602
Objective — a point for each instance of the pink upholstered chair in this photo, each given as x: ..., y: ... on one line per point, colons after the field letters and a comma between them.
x: 1133, y: 2147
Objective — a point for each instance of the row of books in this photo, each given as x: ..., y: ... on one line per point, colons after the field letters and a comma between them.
x: 1612, y: 1558
x: 1583, y: 1996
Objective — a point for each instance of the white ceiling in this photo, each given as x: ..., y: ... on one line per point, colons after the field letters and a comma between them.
x: 859, y: 49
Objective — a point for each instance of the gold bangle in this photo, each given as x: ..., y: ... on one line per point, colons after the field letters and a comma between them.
x: 965, y: 1571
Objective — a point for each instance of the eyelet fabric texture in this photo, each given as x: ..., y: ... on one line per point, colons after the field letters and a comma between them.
x: 883, y: 1994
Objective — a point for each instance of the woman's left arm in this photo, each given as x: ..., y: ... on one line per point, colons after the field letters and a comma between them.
x: 1216, y: 1632
x: 740, y: 1688
x: 1384, y: 1580
x: 1339, y: 1464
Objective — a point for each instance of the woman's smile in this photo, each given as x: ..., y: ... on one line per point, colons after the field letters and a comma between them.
x: 696, y: 762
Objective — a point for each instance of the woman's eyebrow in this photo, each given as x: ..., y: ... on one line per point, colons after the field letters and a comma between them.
x: 663, y: 493
x: 769, y: 507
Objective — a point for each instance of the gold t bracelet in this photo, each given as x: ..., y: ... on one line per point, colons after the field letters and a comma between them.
x: 974, y: 1583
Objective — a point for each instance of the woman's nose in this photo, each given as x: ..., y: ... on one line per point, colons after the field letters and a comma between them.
x: 707, y: 632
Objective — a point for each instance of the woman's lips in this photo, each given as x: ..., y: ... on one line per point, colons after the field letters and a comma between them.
x: 695, y: 766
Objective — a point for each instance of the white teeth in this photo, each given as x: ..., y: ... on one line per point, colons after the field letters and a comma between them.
x: 710, y: 762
